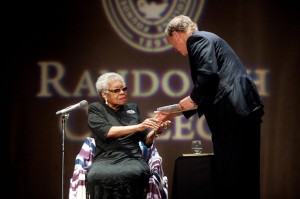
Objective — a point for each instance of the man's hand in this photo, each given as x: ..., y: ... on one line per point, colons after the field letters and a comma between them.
x: 187, y: 103
x: 163, y: 116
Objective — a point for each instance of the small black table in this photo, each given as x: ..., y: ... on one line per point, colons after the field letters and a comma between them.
x: 192, y: 177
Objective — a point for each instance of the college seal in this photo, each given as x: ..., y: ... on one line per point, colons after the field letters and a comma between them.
x: 141, y: 23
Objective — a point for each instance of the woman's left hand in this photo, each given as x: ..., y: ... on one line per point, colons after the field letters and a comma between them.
x: 165, y: 124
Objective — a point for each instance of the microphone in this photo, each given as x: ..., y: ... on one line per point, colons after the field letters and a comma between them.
x: 81, y: 104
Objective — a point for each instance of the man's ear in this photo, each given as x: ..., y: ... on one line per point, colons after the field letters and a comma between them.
x: 176, y: 36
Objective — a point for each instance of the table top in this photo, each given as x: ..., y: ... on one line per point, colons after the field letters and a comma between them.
x: 192, y: 154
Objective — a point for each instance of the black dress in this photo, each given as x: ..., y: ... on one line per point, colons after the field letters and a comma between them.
x: 118, y: 170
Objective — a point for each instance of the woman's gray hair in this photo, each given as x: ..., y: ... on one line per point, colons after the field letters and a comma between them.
x: 103, y: 80
x: 181, y: 24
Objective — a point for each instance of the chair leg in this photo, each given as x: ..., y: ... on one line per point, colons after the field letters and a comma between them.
x: 86, y: 187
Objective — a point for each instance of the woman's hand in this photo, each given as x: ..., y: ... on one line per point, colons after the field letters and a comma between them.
x: 157, y: 131
x: 163, y: 125
x: 149, y: 123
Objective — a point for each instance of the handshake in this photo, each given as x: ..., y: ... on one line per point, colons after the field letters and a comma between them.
x: 163, y: 115
x: 167, y: 112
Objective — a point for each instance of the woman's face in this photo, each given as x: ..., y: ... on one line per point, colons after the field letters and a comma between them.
x: 116, y: 94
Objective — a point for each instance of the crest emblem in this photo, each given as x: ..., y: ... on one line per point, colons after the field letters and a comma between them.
x: 141, y: 23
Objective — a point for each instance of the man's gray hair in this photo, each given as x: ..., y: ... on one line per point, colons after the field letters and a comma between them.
x: 181, y: 24
x: 103, y: 80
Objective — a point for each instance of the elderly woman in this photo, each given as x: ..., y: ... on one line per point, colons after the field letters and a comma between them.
x: 118, y: 169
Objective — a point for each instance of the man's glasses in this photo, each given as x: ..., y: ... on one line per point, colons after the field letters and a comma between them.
x: 118, y: 90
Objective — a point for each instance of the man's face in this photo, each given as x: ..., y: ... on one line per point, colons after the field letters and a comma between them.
x: 178, y: 42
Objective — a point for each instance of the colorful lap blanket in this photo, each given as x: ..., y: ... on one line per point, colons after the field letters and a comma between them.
x: 158, y: 183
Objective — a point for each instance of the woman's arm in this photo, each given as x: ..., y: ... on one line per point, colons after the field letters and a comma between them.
x: 118, y: 131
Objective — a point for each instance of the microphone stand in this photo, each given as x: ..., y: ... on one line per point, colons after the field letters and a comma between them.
x: 64, y: 118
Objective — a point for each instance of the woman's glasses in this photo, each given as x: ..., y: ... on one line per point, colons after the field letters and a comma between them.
x: 118, y: 90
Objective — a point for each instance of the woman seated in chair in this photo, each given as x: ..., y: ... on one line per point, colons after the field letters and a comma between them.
x: 118, y: 169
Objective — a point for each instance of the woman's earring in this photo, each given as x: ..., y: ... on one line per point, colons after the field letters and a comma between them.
x: 106, y: 102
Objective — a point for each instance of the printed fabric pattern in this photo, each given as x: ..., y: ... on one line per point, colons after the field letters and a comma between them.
x: 158, y: 183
